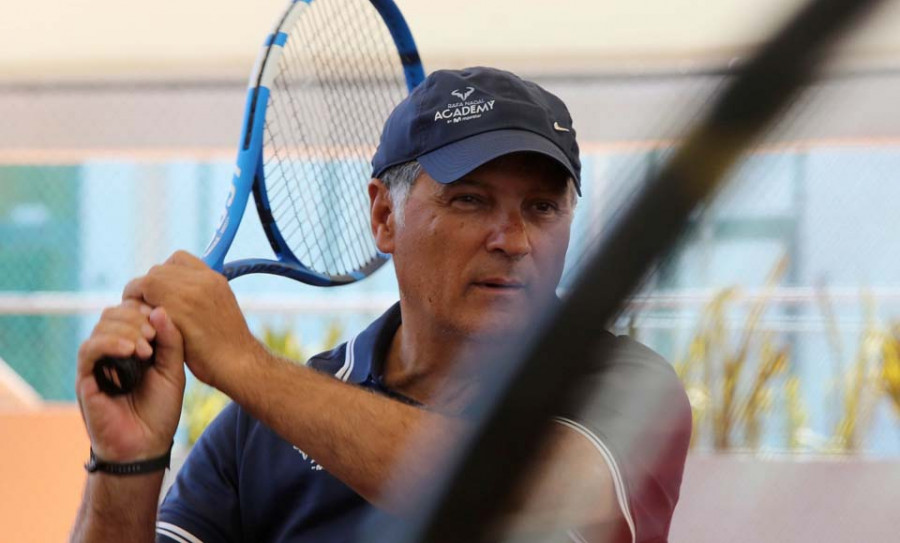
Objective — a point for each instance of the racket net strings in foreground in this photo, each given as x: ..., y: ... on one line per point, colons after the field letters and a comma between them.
x: 546, y: 374
x: 338, y: 78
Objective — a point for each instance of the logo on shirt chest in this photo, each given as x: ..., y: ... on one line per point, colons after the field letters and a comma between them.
x: 313, y: 465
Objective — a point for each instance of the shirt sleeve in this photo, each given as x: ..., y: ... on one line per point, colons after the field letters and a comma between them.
x: 636, y: 413
x: 202, y: 504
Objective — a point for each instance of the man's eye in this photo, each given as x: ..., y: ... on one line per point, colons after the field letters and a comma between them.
x: 545, y: 207
x: 467, y: 199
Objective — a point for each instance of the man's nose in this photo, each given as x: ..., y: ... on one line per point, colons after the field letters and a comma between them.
x: 510, y: 235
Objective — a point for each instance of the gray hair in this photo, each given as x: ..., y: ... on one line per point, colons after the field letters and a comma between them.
x: 399, y: 180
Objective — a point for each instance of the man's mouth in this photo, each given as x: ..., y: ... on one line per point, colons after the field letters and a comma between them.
x: 500, y: 284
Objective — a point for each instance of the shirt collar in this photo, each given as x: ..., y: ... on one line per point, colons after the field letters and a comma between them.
x: 366, y: 353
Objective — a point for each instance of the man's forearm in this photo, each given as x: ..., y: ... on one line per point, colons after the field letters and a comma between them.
x: 362, y: 438
x: 118, y: 508
x: 358, y: 436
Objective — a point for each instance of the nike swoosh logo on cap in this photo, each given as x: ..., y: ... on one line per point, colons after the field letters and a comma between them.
x: 559, y: 128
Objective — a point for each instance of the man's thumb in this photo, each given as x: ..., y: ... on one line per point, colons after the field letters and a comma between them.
x: 169, y: 343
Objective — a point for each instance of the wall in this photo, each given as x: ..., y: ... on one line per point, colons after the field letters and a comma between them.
x: 41, y: 473
x: 724, y: 498
x: 79, y: 38
x: 814, y: 500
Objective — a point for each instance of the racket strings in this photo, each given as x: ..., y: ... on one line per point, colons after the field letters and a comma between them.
x: 337, y: 109
x: 294, y: 230
x: 373, y: 112
x: 339, y: 77
x: 363, y: 27
x: 291, y: 207
x: 289, y: 165
x: 322, y: 238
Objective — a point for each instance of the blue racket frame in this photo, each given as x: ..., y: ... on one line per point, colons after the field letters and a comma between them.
x: 248, y: 174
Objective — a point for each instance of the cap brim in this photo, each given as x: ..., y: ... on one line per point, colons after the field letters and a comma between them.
x: 452, y: 161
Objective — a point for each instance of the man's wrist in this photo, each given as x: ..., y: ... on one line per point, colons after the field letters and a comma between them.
x: 124, y: 454
x: 139, y: 467
x: 240, y: 381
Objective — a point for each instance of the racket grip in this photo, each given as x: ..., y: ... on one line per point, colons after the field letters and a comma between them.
x: 118, y: 376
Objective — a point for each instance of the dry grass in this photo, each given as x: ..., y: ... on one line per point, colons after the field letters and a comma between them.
x: 890, y: 367
x: 728, y: 404
x: 734, y: 380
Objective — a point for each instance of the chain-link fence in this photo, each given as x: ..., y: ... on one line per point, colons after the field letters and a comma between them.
x: 778, y: 312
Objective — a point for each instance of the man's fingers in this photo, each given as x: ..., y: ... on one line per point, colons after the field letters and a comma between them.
x: 122, y: 331
x: 100, y: 345
x: 186, y: 259
x: 138, y: 306
x: 165, y: 283
x: 140, y: 346
x: 150, y: 289
x: 139, y: 336
x: 133, y: 314
x: 128, y: 322
x: 134, y: 290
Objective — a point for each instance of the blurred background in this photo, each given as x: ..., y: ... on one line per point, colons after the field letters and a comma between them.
x: 781, y: 312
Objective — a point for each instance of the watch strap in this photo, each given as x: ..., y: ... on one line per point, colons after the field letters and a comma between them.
x: 130, y: 468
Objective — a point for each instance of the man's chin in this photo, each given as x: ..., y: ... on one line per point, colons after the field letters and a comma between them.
x: 500, y: 321
x: 501, y: 326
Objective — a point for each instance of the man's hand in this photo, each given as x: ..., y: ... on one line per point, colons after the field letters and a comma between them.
x: 204, y: 309
x: 139, y: 425
x: 129, y: 428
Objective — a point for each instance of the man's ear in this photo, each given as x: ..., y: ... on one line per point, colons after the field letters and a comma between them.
x: 382, y: 216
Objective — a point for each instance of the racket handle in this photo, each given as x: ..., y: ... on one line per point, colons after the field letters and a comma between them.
x: 118, y: 376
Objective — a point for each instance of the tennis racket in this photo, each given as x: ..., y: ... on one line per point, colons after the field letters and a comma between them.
x: 327, y: 77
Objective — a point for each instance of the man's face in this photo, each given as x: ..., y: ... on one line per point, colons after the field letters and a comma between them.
x: 482, y: 255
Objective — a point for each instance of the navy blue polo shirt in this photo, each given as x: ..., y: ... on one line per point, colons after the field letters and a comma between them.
x: 242, y: 482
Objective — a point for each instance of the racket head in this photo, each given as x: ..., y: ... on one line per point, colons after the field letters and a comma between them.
x: 380, y: 66
x: 328, y: 76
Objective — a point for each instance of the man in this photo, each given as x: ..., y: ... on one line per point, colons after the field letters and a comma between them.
x: 473, y: 191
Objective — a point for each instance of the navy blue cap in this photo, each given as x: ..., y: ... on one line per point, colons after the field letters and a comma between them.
x: 457, y: 120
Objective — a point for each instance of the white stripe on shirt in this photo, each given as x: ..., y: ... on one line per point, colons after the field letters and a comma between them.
x: 177, y: 533
x: 618, y: 481
x: 349, y: 360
